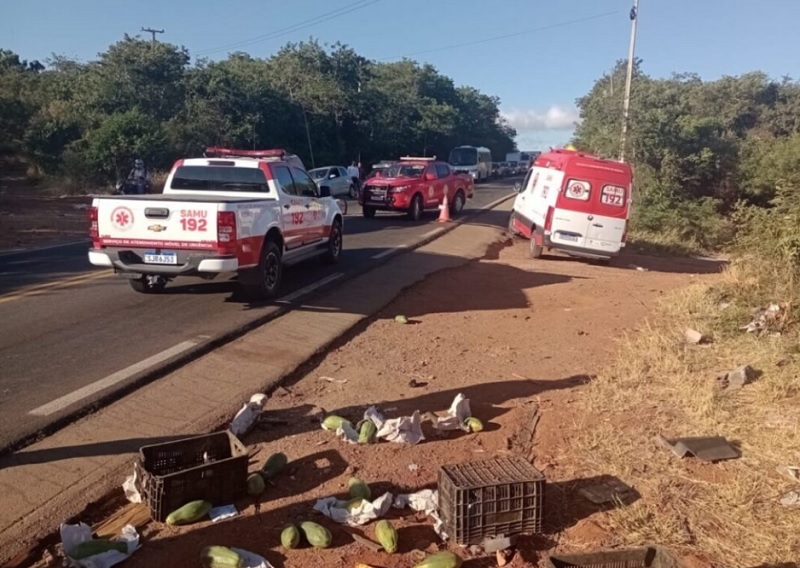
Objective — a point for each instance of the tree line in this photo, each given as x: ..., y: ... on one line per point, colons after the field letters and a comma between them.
x: 703, y: 151
x: 87, y: 121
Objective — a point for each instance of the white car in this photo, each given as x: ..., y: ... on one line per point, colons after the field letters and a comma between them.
x: 245, y: 211
x: 336, y: 177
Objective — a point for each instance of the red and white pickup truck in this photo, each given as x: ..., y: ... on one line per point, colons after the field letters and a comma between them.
x: 245, y: 211
x: 414, y: 185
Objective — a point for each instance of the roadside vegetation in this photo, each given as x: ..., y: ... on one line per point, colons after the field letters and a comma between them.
x: 82, y: 123
x: 717, y: 165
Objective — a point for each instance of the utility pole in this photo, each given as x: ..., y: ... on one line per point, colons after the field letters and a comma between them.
x: 627, y: 102
x: 152, y: 32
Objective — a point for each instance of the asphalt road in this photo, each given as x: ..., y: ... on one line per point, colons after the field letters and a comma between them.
x: 70, y: 335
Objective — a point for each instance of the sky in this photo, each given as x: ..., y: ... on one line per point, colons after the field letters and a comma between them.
x: 537, y: 56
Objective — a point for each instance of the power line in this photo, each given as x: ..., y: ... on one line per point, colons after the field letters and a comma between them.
x: 506, y: 36
x: 322, y: 18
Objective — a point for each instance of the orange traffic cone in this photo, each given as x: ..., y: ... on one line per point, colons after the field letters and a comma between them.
x: 444, y: 214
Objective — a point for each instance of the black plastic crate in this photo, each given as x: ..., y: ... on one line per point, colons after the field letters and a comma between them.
x: 489, y: 498
x: 175, y: 473
x: 648, y: 557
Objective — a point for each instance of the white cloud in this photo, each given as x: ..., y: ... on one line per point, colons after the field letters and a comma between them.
x: 557, y: 117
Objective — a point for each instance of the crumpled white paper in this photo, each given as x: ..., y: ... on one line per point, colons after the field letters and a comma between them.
x: 368, y: 511
x: 131, y: 487
x: 457, y: 415
x: 248, y: 415
x: 252, y: 560
x: 73, y: 535
x: 424, y: 501
x: 406, y: 429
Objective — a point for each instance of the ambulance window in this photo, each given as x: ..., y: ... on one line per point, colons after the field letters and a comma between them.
x: 613, y: 195
x: 528, y: 179
x: 578, y: 190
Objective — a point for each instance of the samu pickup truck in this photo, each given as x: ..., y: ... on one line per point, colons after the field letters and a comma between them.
x: 246, y: 211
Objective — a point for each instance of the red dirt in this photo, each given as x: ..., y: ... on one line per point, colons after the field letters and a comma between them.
x: 511, y: 334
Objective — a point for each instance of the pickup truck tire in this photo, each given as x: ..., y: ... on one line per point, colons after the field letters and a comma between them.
x: 458, y: 203
x: 269, y: 273
x: 369, y: 212
x: 416, y: 208
x: 334, y: 251
x: 145, y: 285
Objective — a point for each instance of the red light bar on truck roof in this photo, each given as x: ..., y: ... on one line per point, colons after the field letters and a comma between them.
x: 410, y: 158
x: 216, y: 152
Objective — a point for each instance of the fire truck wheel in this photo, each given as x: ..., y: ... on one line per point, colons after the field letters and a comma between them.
x: 415, y: 209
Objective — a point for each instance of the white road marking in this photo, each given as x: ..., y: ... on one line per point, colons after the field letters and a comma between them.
x: 387, y: 252
x: 310, y: 288
x: 111, y: 380
x: 32, y: 250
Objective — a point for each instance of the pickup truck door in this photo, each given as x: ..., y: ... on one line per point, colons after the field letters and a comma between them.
x: 433, y: 187
x: 314, y: 214
x: 446, y: 182
x: 293, y: 207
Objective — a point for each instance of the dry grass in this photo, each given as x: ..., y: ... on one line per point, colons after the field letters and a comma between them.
x: 726, y: 512
x: 664, y: 243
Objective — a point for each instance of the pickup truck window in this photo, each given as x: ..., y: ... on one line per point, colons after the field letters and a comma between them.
x: 443, y: 170
x: 305, y: 185
x: 219, y: 178
x: 285, y: 179
x: 406, y: 170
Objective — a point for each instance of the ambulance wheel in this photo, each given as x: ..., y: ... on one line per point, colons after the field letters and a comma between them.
x: 511, y: 230
x: 148, y: 284
x: 535, y: 250
x: 269, y: 273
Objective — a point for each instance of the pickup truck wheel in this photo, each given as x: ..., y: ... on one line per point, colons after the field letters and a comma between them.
x: 458, y: 203
x: 334, y: 250
x: 535, y: 250
x: 369, y: 212
x: 415, y: 209
x: 269, y: 273
x: 148, y: 284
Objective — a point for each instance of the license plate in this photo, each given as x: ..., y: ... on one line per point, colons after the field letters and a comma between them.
x: 563, y: 237
x: 377, y: 195
x: 161, y: 258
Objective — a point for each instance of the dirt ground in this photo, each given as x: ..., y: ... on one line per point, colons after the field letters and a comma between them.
x: 518, y: 338
x: 30, y: 217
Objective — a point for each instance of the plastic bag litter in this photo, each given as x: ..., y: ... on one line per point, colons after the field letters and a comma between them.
x: 131, y: 487
x: 424, y: 501
x: 368, y: 511
x: 247, y: 416
x: 406, y: 429
x: 252, y: 560
x: 73, y: 535
x: 457, y: 415
x: 222, y: 512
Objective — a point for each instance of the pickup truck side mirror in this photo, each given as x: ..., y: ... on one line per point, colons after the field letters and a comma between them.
x: 430, y: 176
x: 517, y: 187
x: 325, y: 191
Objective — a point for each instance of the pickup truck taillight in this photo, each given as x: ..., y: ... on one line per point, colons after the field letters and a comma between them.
x: 226, y: 232
x: 94, y: 231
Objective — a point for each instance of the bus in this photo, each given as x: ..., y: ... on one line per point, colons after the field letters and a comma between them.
x: 476, y: 161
